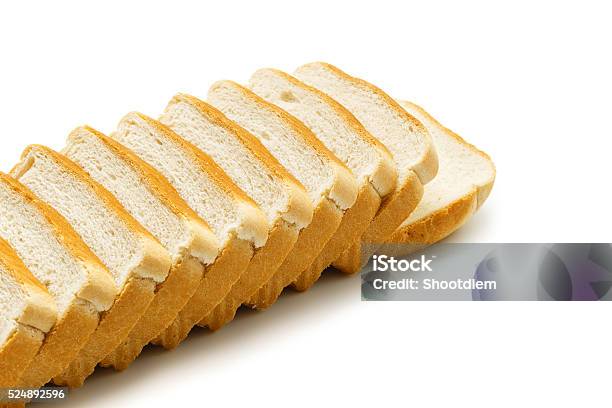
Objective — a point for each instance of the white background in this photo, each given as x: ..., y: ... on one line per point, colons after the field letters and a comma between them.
x: 527, y: 82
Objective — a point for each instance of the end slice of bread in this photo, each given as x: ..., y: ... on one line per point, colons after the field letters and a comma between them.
x: 134, y: 258
x: 236, y: 220
x: 330, y: 185
x: 27, y: 314
x: 81, y: 286
x: 367, y: 158
x: 243, y: 158
x: 404, y: 136
x: 156, y: 205
x: 463, y: 183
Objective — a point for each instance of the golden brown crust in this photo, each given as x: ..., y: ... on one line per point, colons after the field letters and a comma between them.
x: 61, y: 344
x: 384, y: 176
x: 354, y: 223
x: 298, y: 127
x: 40, y: 310
x: 310, y: 242
x: 17, y: 352
x: 344, y: 188
x: 246, y: 139
x: 156, y: 260
x: 262, y: 267
x: 108, y: 199
x: 391, y: 214
x: 154, y: 181
x: 216, y: 284
x: 483, y: 190
x: 340, y: 110
x: 442, y: 222
x: 427, y: 167
x: 100, y: 288
x: 114, y: 326
x: 14, y: 266
x: 170, y: 298
x: 299, y: 209
x: 437, y: 225
x: 206, y: 164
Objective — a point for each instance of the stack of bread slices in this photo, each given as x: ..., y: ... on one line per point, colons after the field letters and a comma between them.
x: 136, y: 236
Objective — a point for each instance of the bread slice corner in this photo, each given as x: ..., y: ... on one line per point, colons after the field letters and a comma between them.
x: 28, y: 313
x: 464, y: 181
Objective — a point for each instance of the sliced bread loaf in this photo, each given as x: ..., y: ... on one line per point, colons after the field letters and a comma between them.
x: 330, y: 185
x: 370, y: 162
x: 27, y: 314
x: 243, y: 158
x: 154, y: 203
x: 239, y: 225
x: 406, y: 139
x: 463, y: 183
x: 81, y: 286
x: 135, y: 259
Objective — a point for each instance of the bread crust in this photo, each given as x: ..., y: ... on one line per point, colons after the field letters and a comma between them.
x: 170, y: 298
x: 384, y: 175
x: 156, y: 261
x: 99, y: 288
x: 444, y: 221
x: 427, y: 166
x: 17, y: 352
x: 343, y: 191
x: 217, y: 281
x: 483, y: 190
x: 254, y: 224
x: 437, y: 225
x: 201, y: 235
x: 310, y: 242
x: 393, y: 211
x: 114, y: 326
x: 262, y: 267
x: 40, y: 310
x: 354, y: 223
x: 61, y: 344
x: 299, y: 210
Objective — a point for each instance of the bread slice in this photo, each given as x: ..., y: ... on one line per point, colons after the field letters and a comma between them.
x: 154, y: 203
x: 134, y: 258
x: 463, y: 183
x: 280, y: 196
x: 331, y: 187
x: 27, y: 313
x: 406, y: 139
x: 239, y: 225
x: 370, y: 162
x: 81, y: 286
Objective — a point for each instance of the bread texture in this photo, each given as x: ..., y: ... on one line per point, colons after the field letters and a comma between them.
x: 370, y: 162
x: 156, y: 205
x: 79, y: 283
x: 27, y: 313
x: 134, y: 258
x: 237, y: 222
x: 330, y: 185
x: 464, y: 181
x: 404, y: 136
x: 243, y: 158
